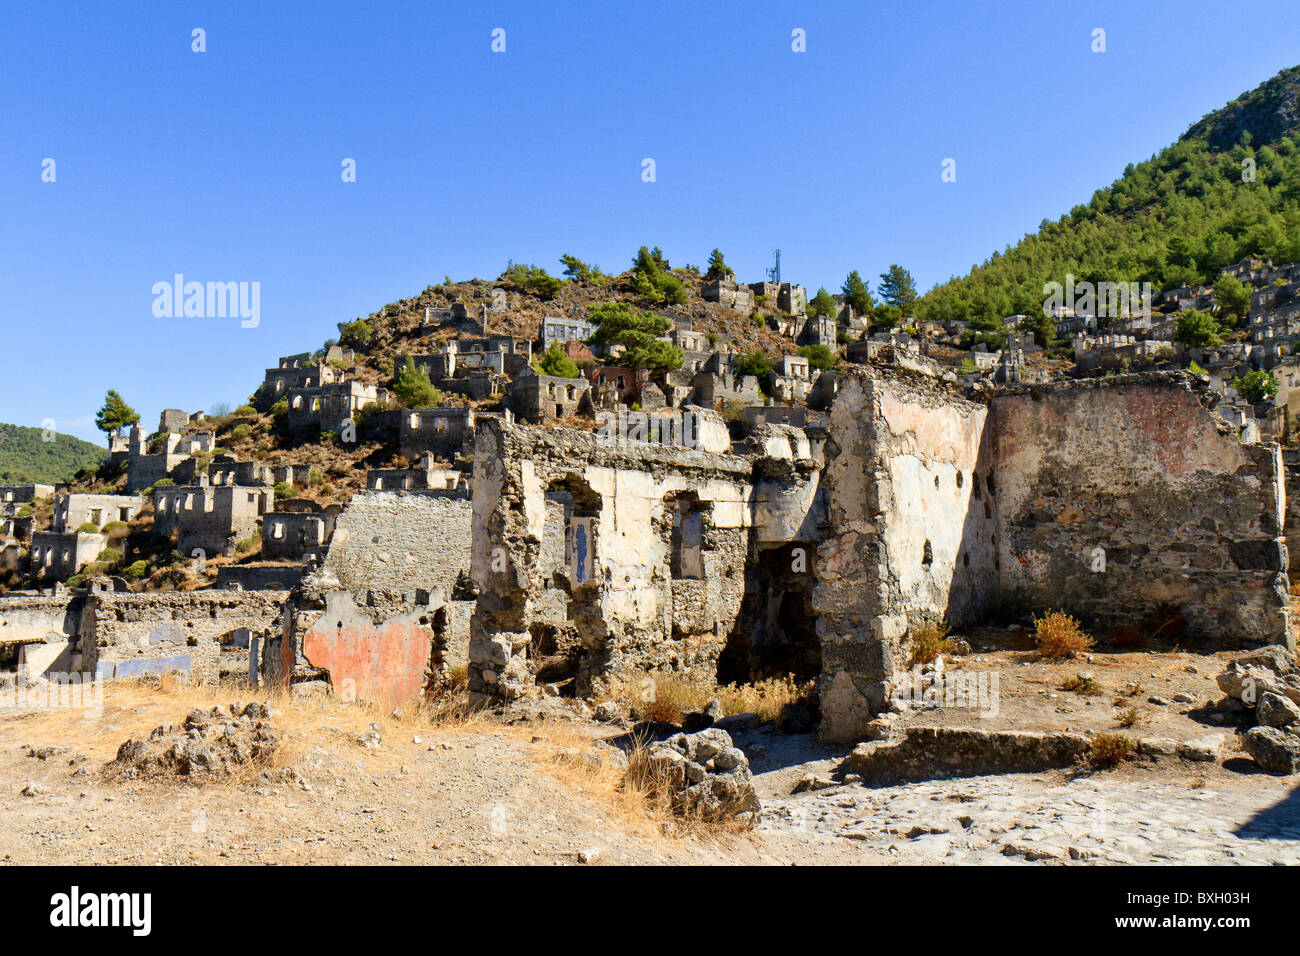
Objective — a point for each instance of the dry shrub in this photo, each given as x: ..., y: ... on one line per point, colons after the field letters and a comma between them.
x: 929, y: 641
x: 1109, y: 750
x: 1083, y: 685
x: 568, y: 754
x: 1128, y: 717
x: 1060, y: 636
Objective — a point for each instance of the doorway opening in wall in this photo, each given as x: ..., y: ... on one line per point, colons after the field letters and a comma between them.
x: 568, y: 605
x: 775, y: 634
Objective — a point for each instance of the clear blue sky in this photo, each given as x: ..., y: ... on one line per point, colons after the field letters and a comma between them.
x: 225, y: 165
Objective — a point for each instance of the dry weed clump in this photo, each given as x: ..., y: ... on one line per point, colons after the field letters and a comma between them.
x: 930, y: 640
x: 1109, y: 750
x: 670, y: 697
x: 1128, y: 717
x: 1060, y: 637
x: 1082, y: 684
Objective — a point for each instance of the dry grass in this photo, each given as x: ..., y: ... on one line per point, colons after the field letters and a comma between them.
x: 1128, y: 717
x: 571, y: 756
x: 1109, y: 750
x: 1059, y: 636
x: 133, y: 708
x: 669, y: 697
x: 929, y: 641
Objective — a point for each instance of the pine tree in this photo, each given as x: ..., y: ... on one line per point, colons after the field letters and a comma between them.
x: 898, y: 289
x: 115, y: 415
x: 822, y: 304
x: 858, y: 294
x: 413, y: 388
x: 718, y: 269
x: 554, y: 362
x: 617, y: 323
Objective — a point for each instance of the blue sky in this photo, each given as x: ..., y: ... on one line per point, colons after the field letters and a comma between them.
x: 225, y: 165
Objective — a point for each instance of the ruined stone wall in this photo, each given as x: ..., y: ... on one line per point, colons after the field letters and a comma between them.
x: 52, y: 619
x: 1291, y: 486
x: 125, y: 634
x: 399, y: 541
x: 635, y: 609
x: 1120, y: 495
x: 912, y: 528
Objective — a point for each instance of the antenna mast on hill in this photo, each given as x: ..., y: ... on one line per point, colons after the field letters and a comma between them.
x: 774, y: 273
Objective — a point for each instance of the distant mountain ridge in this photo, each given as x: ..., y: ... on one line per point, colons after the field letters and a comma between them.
x: 25, y: 457
x: 1228, y: 189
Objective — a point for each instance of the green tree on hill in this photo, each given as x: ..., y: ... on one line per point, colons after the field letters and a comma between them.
x: 718, y: 269
x: 1255, y: 386
x: 579, y: 271
x: 115, y: 415
x: 617, y: 323
x: 1198, y: 329
x: 898, y: 288
x: 1232, y: 297
x: 858, y: 294
x: 822, y: 304
x: 652, y: 281
x: 554, y: 362
x: 819, y: 356
x: 413, y: 387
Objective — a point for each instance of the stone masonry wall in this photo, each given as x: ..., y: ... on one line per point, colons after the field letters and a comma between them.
x: 1119, y: 495
x: 911, y: 533
x: 125, y: 634
x: 636, y: 610
x: 399, y: 541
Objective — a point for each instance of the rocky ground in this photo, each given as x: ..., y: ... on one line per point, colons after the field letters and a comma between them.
x: 350, y: 785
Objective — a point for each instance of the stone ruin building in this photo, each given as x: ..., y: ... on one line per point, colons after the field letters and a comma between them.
x: 804, y: 547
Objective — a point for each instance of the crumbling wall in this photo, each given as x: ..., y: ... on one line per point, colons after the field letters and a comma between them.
x: 399, y: 541
x: 1119, y: 495
x: 125, y: 634
x: 633, y: 598
x: 911, y: 538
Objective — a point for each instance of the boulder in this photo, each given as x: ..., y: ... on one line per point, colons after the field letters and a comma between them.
x: 1274, y: 750
x: 1274, y: 710
x: 1247, y: 683
x: 703, y: 776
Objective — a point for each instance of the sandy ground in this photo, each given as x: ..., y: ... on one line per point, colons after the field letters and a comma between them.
x: 481, y: 792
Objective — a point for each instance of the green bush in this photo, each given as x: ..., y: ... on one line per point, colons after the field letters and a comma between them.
x: 413, y: 388
x: 533, y: 279
x: 554, y: 362
x: 137, y: 570
x: 283, y: 490
x: 281, y: 407
x: 1255, y: 386
x: 245, y: 410
x: 240, y: 432
x: 88, y: 527
x: 819, y: 356
x: 357, y: 335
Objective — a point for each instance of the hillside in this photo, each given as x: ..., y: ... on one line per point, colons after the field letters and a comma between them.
x: 25, y: 457
x: 1177, y: 218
